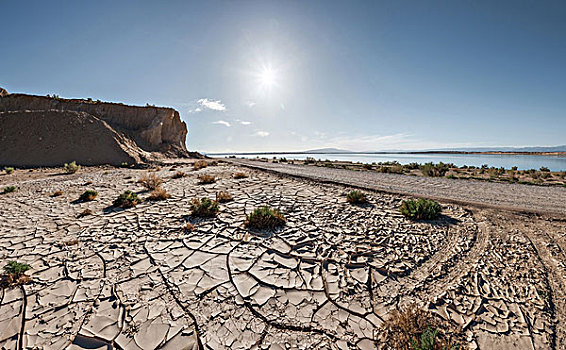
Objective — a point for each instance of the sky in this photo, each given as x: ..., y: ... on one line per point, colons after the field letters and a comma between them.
x: 254, y: 76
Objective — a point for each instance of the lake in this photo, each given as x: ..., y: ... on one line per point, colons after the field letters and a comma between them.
x: 507, y: 161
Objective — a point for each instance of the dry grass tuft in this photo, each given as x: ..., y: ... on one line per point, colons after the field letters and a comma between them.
x: 188, y: 228
x: 150, y: 181
x: 85, y: 212
x: 159, y: 194
x: 223, y: 197
x: 414, y: 329
x: 240, y: 175
x: 206, y: 179
x: 57, y: 193
x: 199, y: 164
x: 71, y: 242
x: 178, y: 175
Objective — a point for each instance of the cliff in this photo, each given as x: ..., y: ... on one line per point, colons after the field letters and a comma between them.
x: 132, y: 133
x: 154, y: 129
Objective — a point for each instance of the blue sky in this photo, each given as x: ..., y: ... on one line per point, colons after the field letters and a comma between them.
x: 293, y: 75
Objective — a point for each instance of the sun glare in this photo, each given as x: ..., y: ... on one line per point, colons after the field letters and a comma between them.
x: 267, y: 78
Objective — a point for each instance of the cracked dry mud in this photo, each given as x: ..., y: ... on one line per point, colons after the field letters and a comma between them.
x: 136, y: 280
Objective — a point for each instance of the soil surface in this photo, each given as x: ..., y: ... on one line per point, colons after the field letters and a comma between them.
x: 134, y: 279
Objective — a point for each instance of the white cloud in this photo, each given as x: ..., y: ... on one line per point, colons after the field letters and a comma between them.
x: 243, y: 122
x: 222, y: 122
x: 261, y: 133
x: 205, y: 103
x: 250, y: 104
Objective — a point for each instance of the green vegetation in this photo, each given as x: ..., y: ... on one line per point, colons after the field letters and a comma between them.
x: 9, y: 189
x: 420, y: 209
x: 124, y: 164
x: 265, y: 218
x: 128, y: 199
x: 14, y: 274
x: 72, y: 167
x: 426, y: 340
x: 204, y: 208
x: 88, y: 195
x: 16, y: 268
x: 435, y: 170
x: 356, y: 197
x: 8, y: 170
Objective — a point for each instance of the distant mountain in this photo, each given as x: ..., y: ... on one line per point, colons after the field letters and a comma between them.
x: 508, y: 149
x: 327, y: 150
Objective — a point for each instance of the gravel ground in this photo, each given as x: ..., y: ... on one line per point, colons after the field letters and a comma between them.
x: 538, y: 199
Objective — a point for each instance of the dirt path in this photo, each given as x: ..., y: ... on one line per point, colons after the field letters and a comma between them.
x: 517, y: 197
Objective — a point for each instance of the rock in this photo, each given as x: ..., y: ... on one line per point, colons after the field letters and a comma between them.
x: 142, y: 133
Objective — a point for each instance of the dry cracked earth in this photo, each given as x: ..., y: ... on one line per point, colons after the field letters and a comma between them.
x: 134, y: 279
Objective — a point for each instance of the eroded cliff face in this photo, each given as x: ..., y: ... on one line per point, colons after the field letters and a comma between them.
x: 153, y: 129
x: 55, y: 137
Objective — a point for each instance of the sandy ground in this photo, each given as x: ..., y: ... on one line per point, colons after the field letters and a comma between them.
x: 133, y: 279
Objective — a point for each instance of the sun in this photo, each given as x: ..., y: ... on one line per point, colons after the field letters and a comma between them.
x: 267, y: 78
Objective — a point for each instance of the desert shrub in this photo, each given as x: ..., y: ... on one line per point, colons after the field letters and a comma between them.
x: 206, y: 179
x: 9, y: 189
x: 240, y: 175
x: 434, y: 170
x: 420, y: 209
x: 367, y: 166
x: 14, y: 274
x: 8, y: 170
x: 265, y: 218
x: 450, y: 176
x: 150, y: 181
x: 127, y: 199
x: 544, y: 169
x: 57, y: 193
x: 395, y: 169
x: 310, y: 160
x: 124, y: 164
x: 283, y: 160
x: 415, y: 329
x: 514, y: 168
x: 412, y: 166
x: 159, y: 194
x: 204, y: 207
x: 223, y: 197
x: 179, y: 174
x: 72, y: 167
x: 356, y: 197
x: 88, y: 196
x: 199, y: 164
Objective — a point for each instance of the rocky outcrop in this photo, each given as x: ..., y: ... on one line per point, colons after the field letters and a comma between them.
x: 3, y: 92
x: 52, y: 138
x: 133, y: 133
x: 154, y: 129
